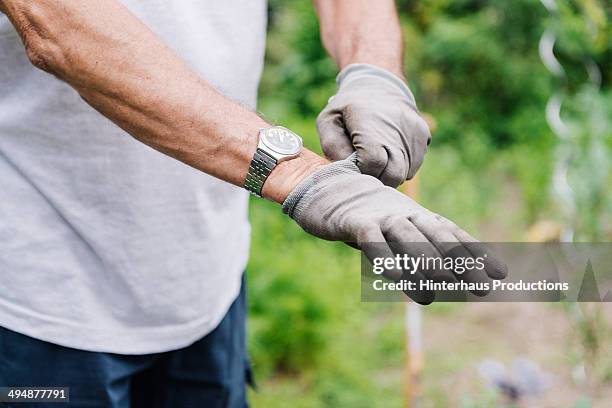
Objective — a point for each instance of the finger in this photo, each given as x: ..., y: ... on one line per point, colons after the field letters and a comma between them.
x: 374, y: 245
x: 444, y: 240
x: 494, y: 267
x: 418, y: 145
x: 396, y: 170
x: 405, y: 238
x: 372, y: 158
x: 335, y: 140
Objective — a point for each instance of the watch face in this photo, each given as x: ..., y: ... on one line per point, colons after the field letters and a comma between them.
x: 282, y: 140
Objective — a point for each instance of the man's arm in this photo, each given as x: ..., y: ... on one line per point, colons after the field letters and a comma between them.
x: 126, y: 73
x: 373, y: 112
x: 362, y: 31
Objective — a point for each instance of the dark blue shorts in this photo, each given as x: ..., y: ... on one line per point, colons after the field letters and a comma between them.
x: 213, y: 372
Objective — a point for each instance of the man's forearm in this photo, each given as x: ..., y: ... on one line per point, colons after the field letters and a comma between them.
x: 362, y: 31
x: 125, y: 72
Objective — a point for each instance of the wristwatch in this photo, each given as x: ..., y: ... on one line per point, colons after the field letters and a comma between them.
x: 276, y: 144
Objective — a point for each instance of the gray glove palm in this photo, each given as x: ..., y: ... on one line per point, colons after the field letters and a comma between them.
x: 338, y: 203
x: 374, y: 114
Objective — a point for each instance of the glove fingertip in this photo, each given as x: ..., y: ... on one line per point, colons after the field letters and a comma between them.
x: 394, y: 175
x: 335, y: 143
x: 372, y: 160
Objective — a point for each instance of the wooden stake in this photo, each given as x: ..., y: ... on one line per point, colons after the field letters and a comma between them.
x: 414, y: 333
x: 415, y: 358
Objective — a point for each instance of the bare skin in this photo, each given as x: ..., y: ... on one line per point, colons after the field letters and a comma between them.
x: 125, y: 72
x: 362, y: 31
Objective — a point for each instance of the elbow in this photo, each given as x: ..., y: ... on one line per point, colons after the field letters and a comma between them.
x: 41, y: 39
x: 38, y: 55
x: 43, y: 53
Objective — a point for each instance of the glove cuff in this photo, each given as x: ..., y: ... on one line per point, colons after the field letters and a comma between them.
x: 297, y: 200
x: 355, y: 71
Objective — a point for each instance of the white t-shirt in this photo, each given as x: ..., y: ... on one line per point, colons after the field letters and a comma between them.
x: 105, y: 244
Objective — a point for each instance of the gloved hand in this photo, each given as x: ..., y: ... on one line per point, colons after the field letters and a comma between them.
x: 374, y: 114
x: 338, y: 203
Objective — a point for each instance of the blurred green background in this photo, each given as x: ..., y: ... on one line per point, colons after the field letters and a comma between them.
x: 477, y: 76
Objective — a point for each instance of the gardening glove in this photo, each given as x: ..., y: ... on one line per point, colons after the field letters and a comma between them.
x: 338, y: 203
x: 374, y: 114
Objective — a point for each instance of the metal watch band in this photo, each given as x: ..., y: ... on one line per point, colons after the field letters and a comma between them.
x: 259, y: 170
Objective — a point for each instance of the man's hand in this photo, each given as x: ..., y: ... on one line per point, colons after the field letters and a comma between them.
x: 374, y: 114
x: 338, y: 203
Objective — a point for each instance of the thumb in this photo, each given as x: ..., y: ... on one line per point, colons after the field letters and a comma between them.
x: 335, y: 139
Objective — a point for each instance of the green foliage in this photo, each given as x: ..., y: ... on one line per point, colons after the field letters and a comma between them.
x: 299, y: 74
x: 590, y: 170
x: 288, y: 314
